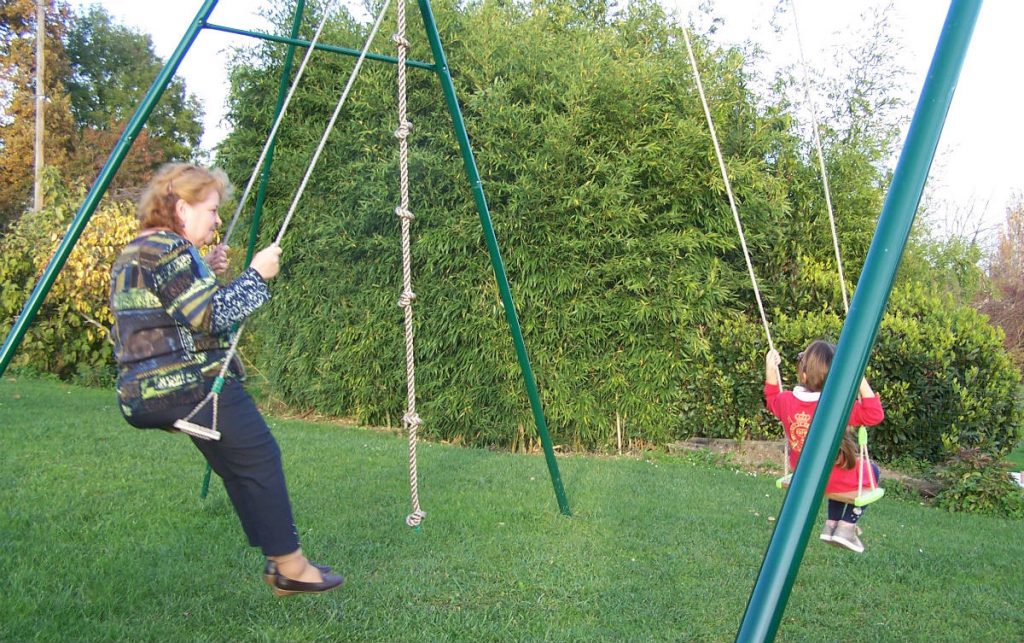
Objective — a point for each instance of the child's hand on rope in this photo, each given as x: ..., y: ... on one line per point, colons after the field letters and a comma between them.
x: 865, y: 389
x: 217, y: 259
x: 772, y: 359
x: 267, y: 262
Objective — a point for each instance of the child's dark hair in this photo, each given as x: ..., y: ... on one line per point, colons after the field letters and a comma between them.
x: 847, y: 458
x: 812, y: 367
x: 813, y: 364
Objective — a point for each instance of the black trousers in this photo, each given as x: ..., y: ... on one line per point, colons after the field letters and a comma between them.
x: 247, y: 459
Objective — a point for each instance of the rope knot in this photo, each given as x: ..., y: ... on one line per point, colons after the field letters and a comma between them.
x: 412, y: 420
x: 404, y: 213
x: 406, y: 298
x: 415, y: 518
x: 400, y: 40
x: 404, y: 129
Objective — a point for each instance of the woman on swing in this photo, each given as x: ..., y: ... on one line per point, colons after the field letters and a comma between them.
x: 796, y: 409
x: 172, y: 327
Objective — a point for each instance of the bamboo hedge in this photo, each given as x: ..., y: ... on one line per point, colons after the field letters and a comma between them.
x: 621, y: 250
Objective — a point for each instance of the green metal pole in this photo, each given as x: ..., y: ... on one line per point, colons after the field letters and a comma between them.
x: 282, y: 93
x: 92, y: 199
x: 441, y: 66
x: 355, y: 53
x: 782, y: 560
x: 261, y: 193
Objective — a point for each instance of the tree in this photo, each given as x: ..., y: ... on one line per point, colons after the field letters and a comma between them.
x: 17, y: 86
x: 112, y: 67
x: 97, y: 73
x: 70, y: 336
x: 1005, y: 305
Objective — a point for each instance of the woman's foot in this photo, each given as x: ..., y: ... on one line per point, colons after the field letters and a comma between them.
x: 294, y: 574
x: 298, y: 569
x: 270, y: 570
x: 326, y: 581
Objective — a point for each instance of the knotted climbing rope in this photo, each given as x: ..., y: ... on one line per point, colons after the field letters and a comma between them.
x: 411, y: 420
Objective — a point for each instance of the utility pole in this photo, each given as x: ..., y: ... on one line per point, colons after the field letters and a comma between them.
x: 37, y: 203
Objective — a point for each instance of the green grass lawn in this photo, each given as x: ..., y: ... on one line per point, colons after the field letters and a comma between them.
x: 105, y: 538
x: 1016, y: 458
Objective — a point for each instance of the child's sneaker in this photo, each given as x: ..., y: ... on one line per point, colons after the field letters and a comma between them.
x: 845, y: 535
x: 827, y: 530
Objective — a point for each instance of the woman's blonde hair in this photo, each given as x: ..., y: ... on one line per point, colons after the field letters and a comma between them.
x: 812, y: 366
x: 174, y: 181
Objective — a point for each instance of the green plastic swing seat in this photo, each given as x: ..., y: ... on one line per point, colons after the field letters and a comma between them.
x: 865, y: 497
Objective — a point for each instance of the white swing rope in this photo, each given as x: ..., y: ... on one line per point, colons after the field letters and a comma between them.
x: 739, y: 228
x: 728, y: 189
x: 277, y: 123
x: 411, y: 419
x: 821, y: 157
x: 185, y: 424
x: 735, y: 216
x: 862, y: 445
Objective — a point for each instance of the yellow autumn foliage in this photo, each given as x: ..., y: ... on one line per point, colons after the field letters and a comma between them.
x: 70, y: 335
x: 84, y: 282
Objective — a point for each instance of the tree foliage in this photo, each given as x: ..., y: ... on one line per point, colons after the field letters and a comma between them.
x: 96, y: 74
x: 1005, y: 303
x: 607, y: 201
x: 70, y: 335
x: 17, y: 84
x: 112, y: 67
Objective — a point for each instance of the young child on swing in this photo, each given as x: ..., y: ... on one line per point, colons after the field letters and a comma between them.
x: 796, y: 409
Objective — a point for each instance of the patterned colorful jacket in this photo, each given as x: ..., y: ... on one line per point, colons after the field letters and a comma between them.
x: 173, y: 321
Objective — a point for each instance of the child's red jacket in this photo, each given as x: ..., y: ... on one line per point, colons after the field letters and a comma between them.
x: 796, y: 408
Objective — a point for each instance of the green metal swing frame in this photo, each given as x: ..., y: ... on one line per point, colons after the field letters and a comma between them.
x: 782, y: 560
x: 163, y: 79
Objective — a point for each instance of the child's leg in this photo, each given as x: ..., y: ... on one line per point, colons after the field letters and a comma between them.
x: 840, y: 511
x: 835, y: 510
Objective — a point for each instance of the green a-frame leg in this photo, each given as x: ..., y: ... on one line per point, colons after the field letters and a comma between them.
x: 782, y: 560
x: 134, y: 126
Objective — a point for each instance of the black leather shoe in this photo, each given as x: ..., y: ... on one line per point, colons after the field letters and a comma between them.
x: 270, y: 570
x: 283, y: 586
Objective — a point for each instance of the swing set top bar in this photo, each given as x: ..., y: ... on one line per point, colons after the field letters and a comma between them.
x: 319, y: 46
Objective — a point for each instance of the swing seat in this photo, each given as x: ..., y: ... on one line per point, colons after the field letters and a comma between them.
x: 862, y: 499
x: 196, y: 430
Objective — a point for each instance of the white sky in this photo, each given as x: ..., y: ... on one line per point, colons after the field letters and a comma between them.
x: 978, y: 168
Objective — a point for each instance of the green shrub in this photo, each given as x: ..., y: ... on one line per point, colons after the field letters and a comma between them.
x: 945, y: 378
x: 976, y: 482
x: 70, y: 336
